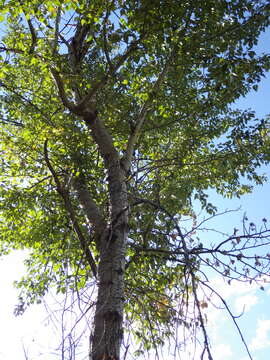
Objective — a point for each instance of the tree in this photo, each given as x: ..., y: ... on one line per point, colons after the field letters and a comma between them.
x: 116, y: 116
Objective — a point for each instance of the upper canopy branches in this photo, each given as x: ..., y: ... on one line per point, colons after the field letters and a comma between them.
x: 133, y: 99
x: 153, y: 72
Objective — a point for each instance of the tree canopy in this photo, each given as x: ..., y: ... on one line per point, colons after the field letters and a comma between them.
x: 116, y: 117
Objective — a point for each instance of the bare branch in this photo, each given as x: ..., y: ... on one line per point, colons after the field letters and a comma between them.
x: 232, y: 317
x: 206, y: 342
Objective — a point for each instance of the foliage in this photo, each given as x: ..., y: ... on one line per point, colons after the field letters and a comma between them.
x: 161, y: 78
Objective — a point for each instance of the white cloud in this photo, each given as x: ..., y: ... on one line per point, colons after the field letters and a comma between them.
x: 262, y: 337
x: 236, y: 288
x: 222, y: 351
x: 238, y: 296
x: 244, y: 303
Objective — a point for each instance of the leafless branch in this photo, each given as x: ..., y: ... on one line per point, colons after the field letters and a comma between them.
x: 206, y: 342
x: 232, y: 317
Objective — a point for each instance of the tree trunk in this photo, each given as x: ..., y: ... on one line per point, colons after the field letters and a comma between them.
x: 108, y: 320
x: 108, y: 332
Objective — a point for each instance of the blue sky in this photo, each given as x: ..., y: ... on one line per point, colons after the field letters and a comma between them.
x: 255, y: 322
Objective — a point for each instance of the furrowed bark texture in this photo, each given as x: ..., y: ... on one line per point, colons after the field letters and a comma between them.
x: 107, y: 335
x: 111, y: 240
x: 108, y: 321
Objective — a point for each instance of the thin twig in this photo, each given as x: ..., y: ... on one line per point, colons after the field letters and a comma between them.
x: 232, y: 317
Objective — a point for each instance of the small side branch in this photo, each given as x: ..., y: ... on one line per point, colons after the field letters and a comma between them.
x: 99, y: 84
x: 33, y: 35
x: 56, y: 30
x: 79, y: 45
x: 206, y: 342
x: 105, y: 42
x: 133, y: 138
x: 3, y: 48
x: 32, y: 31
x: 64, y: 194
x: 232, y: 317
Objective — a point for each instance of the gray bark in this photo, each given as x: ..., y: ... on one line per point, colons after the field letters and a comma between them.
x: 108, y: 320
x: 110, y: 241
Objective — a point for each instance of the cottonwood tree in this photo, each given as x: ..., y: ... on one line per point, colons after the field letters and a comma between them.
x: 116, y: 116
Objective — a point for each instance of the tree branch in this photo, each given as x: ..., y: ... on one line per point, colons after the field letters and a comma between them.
x: 78, y: 44
x: 89, y: 207
x: 64, y: 194
x: 14, y: 50
x: 33, y: 35
x: 232, y: 317
x: 105, y: 42
x: 61, y: 90
x: 116, y: 173
x: 202, y: 323
x: 133, y: 138
x: 99, y: 84
x: 22, y: 97
x: 56, y: 29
